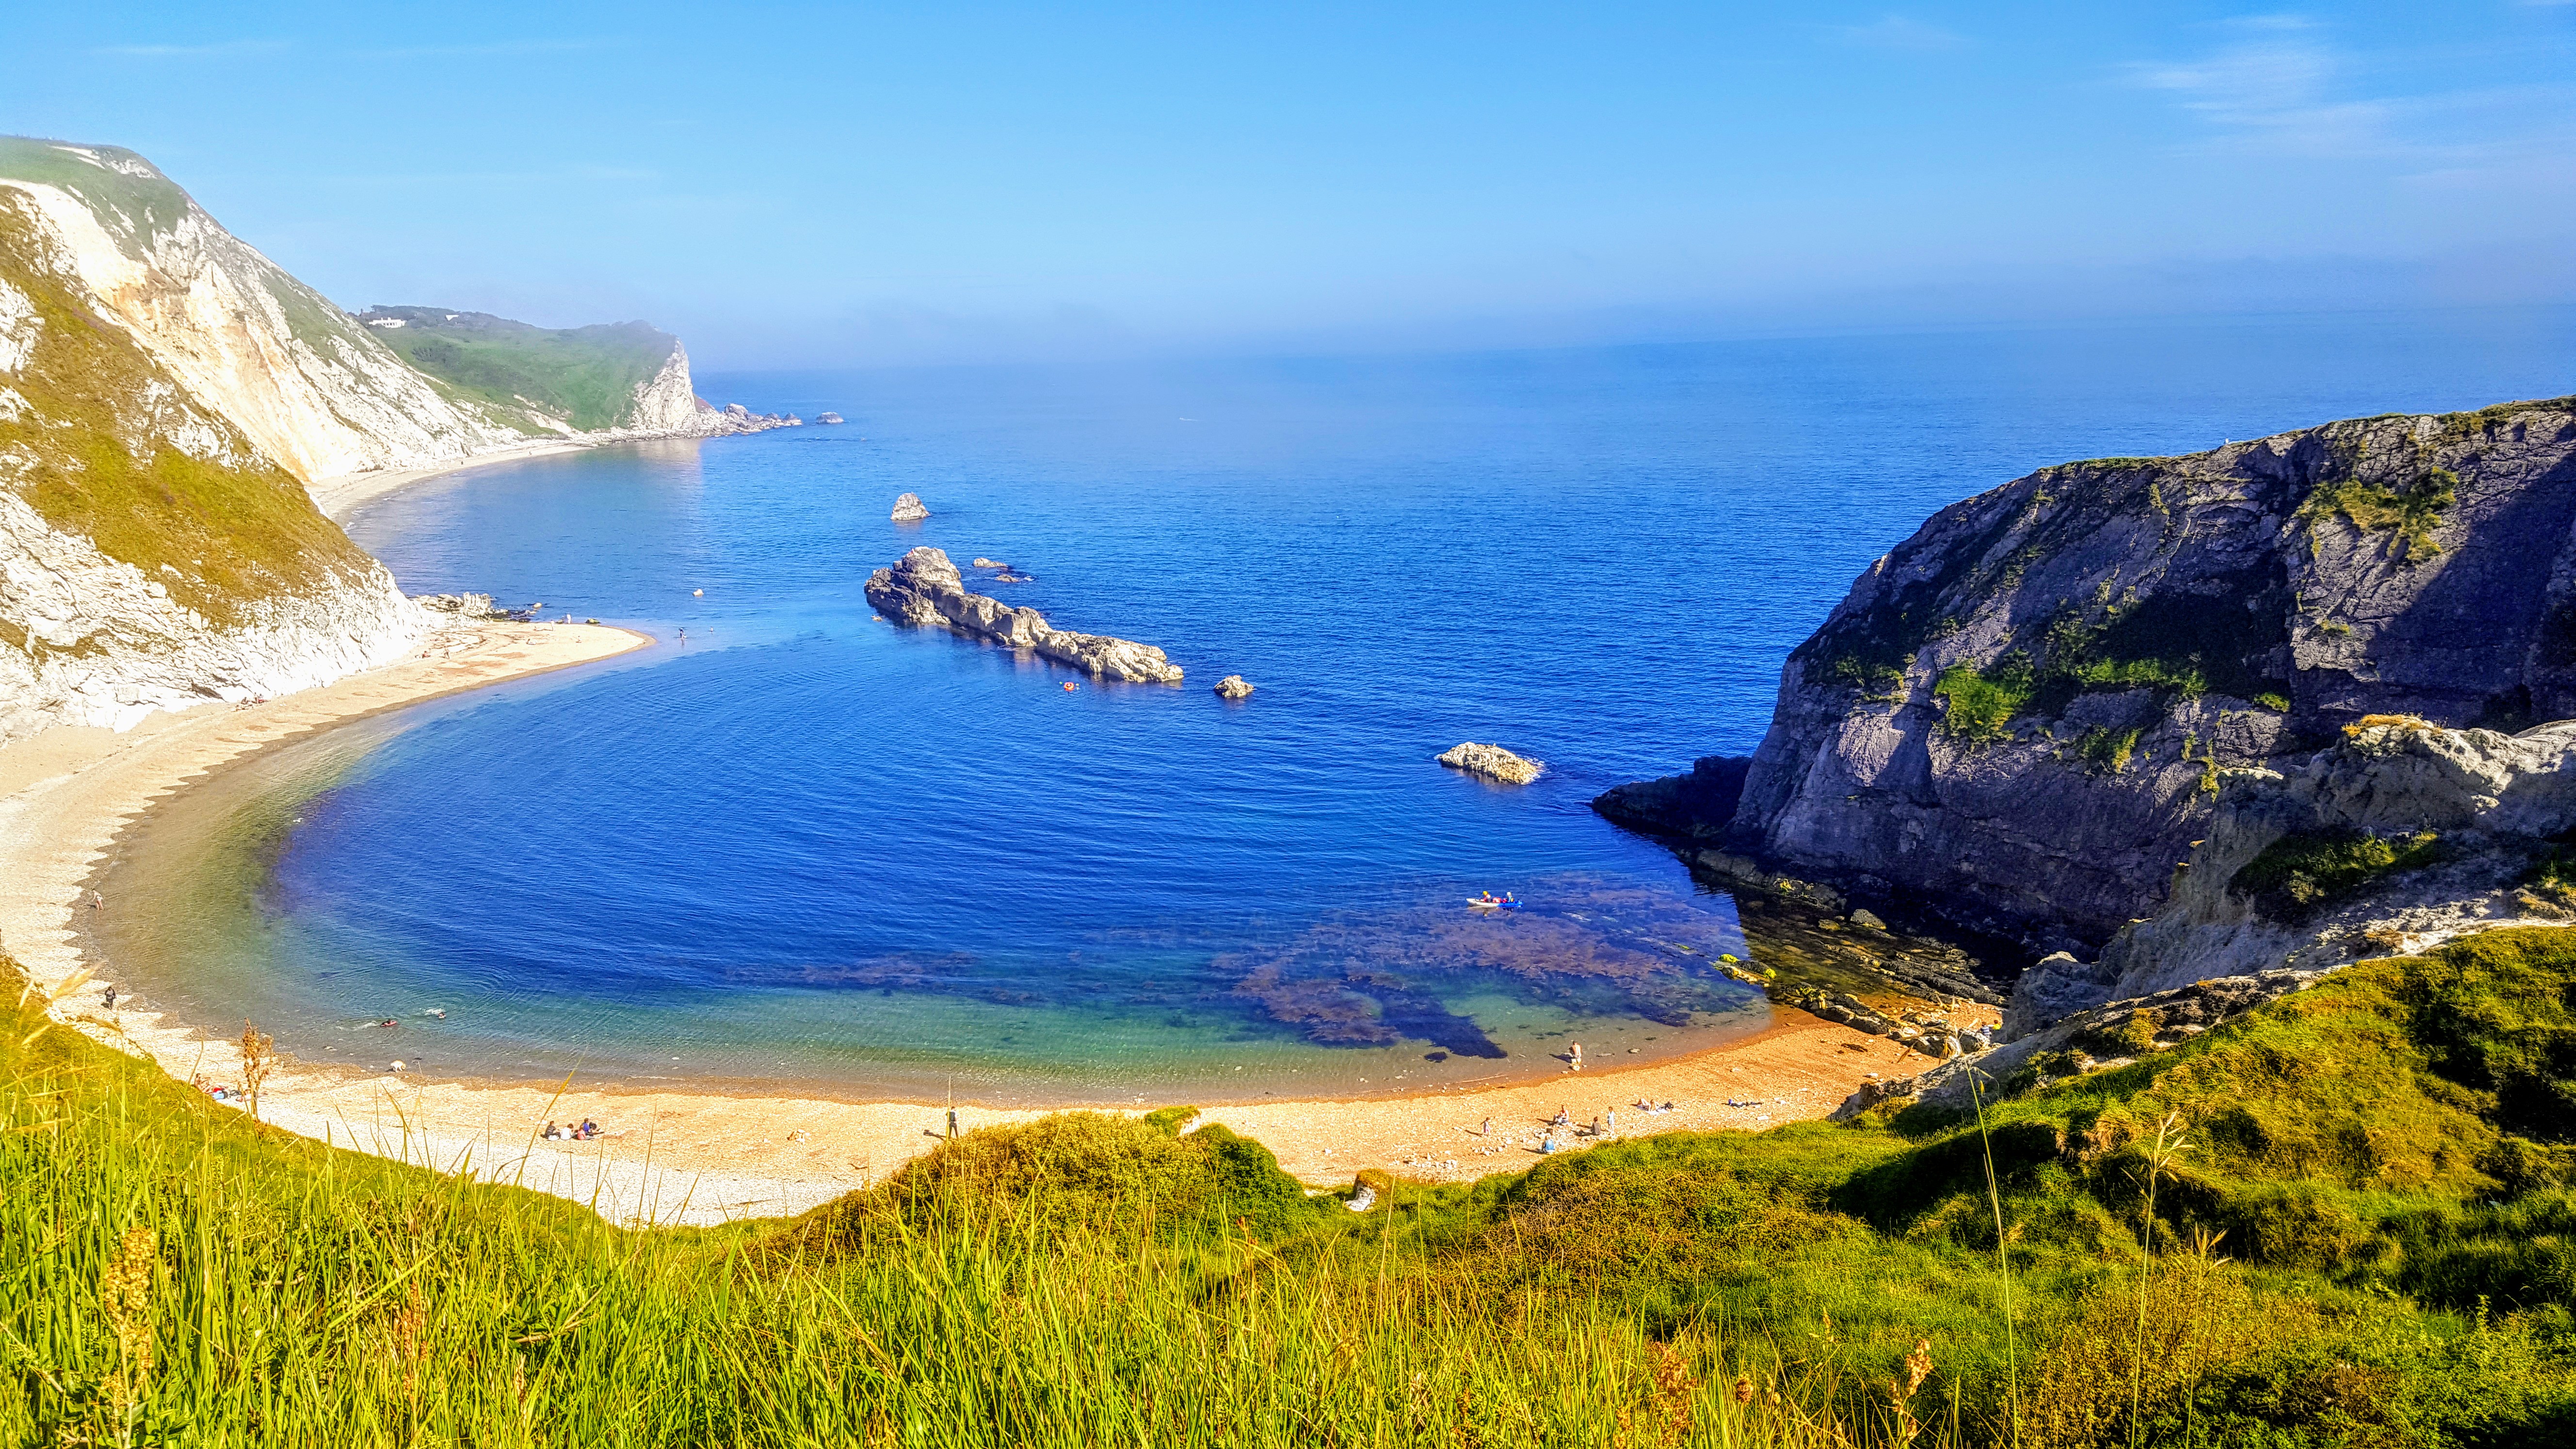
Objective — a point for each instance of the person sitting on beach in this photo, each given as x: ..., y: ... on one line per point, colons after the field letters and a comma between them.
x: 551, y: 1133
x: 1562, y: 1118
x: 589, y: 1129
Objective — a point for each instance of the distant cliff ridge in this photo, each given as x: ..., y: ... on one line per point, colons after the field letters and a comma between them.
x: 2018, y: 717
x: 625, y: 376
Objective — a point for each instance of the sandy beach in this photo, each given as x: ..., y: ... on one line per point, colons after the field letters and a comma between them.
x: 681, y: 1156
x: 338, y: 497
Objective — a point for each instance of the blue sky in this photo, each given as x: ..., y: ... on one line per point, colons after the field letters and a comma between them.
x: 802, y: 185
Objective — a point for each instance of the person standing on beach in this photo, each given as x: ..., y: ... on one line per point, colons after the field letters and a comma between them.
x: 1574, y: 1056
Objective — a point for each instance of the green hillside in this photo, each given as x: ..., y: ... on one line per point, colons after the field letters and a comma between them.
x: 2362, y: 1234
x: 90, y: 447
x: 583, y: 376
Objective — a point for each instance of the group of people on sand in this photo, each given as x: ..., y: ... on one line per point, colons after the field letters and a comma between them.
x: 1601, y: 1127
x: 218, y: 1090
x: 583, y: 1133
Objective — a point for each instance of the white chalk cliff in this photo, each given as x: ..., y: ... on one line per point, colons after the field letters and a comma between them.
x: 151, y: 555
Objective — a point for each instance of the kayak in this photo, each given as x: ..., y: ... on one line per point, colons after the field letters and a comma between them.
x: 1496, y: 905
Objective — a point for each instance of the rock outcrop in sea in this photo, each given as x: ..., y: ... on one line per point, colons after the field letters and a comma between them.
x: 1234, y: 686
x: 2018, y: 718
x: 908, y: 508
x: 925, y: 588
x: 1491, y: 761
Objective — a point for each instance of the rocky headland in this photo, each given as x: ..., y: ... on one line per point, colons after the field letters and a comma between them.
x: 2214, y: 728
x: 2018, y: 719
x: 924, y: 588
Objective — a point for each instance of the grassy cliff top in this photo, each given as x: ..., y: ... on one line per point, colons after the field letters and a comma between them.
x: 128, y: 194
x: 585, y: 377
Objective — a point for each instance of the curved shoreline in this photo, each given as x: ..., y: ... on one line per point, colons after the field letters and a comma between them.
x: 682, y: 1156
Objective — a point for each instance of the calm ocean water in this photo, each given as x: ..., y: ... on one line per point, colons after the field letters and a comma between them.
x: 812, y: 846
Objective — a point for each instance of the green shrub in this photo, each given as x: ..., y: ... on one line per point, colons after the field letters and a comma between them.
x: 2107, y: 749
x: 2411, y: 510
x: 2305, y: 871
x: 1983, y: 703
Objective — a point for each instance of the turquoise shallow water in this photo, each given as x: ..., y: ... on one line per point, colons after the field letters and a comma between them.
x: 810, y: 846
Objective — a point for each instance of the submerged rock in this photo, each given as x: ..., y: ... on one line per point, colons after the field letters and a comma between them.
x: 909, y: 509
x: 1233, y: 687
x: 1493, y: 762
x: 925, y: 588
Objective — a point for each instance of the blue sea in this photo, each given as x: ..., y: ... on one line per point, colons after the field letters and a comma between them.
x: 810, y: 847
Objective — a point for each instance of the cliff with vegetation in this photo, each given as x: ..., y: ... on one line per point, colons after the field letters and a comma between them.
x: 314, y: 389
x: 2019, y: 717
x: 316, y: 393
x: 152, y: 556
x: 620, y: 377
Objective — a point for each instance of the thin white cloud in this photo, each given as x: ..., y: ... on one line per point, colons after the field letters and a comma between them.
x: 2278, y: 85
x: 1896, y: 32
x: 488, y: 49
x: 210, y: 50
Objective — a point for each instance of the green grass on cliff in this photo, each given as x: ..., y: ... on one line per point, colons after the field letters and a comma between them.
x: 134, y: 208
x: 2365, y: 1237
x: 2301, y: 873
x: 584, y: 376
x: 103, y: 468
x: 2411, y: 511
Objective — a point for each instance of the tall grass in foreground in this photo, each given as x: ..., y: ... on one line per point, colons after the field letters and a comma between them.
x: 175, y: 1274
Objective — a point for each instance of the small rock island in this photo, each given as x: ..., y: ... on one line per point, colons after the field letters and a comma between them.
x: 909, y: 509
x: 925, y: 588
x: 1493, y: 762
x: 1233, y: 686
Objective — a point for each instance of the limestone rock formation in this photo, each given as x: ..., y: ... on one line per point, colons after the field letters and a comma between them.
x: 908, y: 509
x: 827, y: 418
x: 2018, y: 718
x: 1493, y: 762
x: 463, y: 606
x: 1692, y: 806
x: 1233, y: 687
x: 924, y: 588
x: 2396, y: 838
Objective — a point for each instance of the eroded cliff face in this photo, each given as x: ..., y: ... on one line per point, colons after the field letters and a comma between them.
x: 151, y: 555
x: 2018, y: 718
x: 307, y: 385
